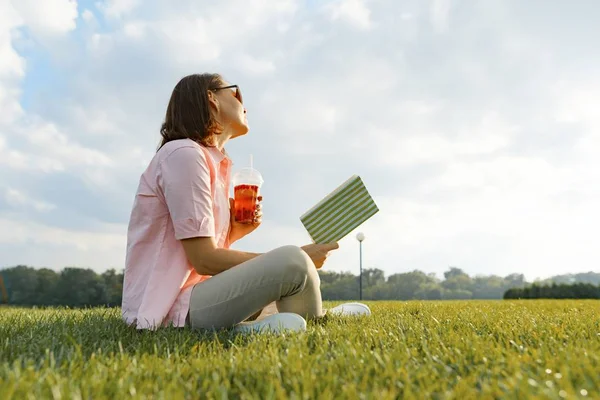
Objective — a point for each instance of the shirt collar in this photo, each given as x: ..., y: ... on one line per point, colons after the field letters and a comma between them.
x: 219, y: 155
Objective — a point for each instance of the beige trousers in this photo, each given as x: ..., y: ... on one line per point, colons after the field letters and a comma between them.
x: 285, y: 276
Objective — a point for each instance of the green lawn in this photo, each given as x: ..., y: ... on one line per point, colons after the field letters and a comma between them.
x: 462, y: 349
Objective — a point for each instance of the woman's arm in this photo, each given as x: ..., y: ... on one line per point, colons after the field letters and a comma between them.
x: 208, y: 259
x: 184, y: 178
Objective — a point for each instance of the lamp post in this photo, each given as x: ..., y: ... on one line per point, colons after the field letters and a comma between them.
x: 360, y: 237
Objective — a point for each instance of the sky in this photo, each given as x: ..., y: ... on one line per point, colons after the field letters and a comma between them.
x: 474, y: 124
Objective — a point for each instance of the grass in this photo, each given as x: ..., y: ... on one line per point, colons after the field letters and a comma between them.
x: 461, y: 350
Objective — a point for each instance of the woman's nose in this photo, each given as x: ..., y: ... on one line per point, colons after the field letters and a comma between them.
x: 245, y: 111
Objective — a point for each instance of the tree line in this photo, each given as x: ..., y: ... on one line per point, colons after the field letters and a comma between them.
x: 80, y: 287
x: 555, y: 291
x: 73, y: 287
x: 456, y: 285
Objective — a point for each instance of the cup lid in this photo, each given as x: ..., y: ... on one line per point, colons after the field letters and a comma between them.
x: 248, y: 175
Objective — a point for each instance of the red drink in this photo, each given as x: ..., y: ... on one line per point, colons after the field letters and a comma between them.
x: 245, y: 197
x: 246, y: 184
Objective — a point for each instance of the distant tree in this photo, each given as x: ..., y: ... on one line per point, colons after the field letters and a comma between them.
x: 373, y: 277
x: 588, y: 277
x: 488, y: 287
x: 21, y: 282
x: 459, y: 282
x: 429, y: 291
x: 454, y: 272
x: 113, y: 284
x: 582, y: 277
x: 404, y: 286
x: 514, y: 293
x: 382, y: 291
x: 555, y: 291
x: 514, y: 281
x: 457, y: 294
x: 3, y: 291
x: 79, y: 287
x: 339, y: 286
x: 46, y: 287
x: 328, y: 277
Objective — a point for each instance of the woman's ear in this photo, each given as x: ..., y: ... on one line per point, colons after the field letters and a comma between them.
x: 213, y: 102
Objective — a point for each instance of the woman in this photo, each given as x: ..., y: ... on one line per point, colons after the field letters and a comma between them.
x: 179, y: 267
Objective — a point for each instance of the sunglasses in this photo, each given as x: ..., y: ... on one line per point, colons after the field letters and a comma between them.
x: 237, y: 93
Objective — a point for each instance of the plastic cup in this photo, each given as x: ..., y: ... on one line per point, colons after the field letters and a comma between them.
x: 246, y: 188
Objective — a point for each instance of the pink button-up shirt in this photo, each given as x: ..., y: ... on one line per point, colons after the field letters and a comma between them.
x: 183, y: 193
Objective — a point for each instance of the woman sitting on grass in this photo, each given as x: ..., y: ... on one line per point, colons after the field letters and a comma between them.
x: 179, y: 267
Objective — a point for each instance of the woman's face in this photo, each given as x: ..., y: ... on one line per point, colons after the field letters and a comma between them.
x: 232, y: 114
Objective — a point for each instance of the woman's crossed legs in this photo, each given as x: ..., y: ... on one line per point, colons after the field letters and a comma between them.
x: 286, y: 276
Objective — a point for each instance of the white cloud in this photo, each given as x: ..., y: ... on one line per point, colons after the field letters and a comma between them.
x: 440, y: 13
x: 426, y: 143
x: 578, y: 103
x: 11, y: 109
x: 57, y: 248
x: 49, y: 150
x: 478, y: 144
x: 48, y: 17
x: 118, y: 8
x: 88, y: 16
x: 18, y: 161
x: 47, y: 139
x: 12, y: 66
x: 191, y: 33
x: 354, y: 12
x: 96, y: 120
x: 135, y: 29
x: 256, y: 66
x: 17, y: 199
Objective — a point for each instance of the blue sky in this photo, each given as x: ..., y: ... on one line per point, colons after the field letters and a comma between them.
x: 473, y: 124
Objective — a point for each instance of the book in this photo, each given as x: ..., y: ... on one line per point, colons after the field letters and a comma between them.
x: 340, y: 212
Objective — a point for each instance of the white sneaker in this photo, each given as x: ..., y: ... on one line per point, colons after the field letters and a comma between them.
x: 275, y: 323
x: 350, y: 309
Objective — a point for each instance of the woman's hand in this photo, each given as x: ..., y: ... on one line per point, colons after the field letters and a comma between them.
x: 237, y: 229
x: 319, y: 252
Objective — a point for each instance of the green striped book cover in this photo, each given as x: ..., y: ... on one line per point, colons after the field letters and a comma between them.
x: 340, y: 212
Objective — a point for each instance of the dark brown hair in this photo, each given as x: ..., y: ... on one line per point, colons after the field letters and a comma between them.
x: 188, y: 113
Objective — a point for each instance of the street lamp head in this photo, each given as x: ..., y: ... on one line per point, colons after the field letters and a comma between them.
x: 360, y: 236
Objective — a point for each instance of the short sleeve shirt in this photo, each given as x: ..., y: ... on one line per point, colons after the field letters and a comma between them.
x: 183, y: 193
